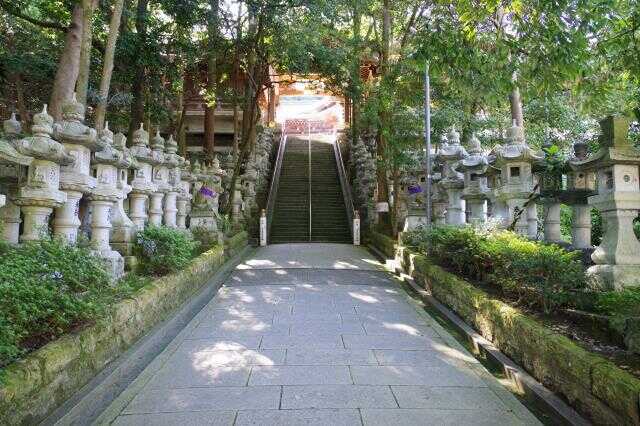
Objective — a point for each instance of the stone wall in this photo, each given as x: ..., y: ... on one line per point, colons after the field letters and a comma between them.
x: 32, y: 388
x: 590, y: 383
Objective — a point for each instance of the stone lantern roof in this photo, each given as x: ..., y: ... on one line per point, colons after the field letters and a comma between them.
x: 516, y: 148
x: 109, y: 155
x: 40, y: 145
x: 72, y: 130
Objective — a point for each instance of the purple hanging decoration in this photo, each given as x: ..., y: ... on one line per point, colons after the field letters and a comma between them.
x: 414, y: 189
x: 207, y: 192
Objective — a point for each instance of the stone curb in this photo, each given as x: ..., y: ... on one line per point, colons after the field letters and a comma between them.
x: 35, y: 386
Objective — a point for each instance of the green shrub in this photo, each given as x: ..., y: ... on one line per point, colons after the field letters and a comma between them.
x: 205, y: 238
x: 162, y: 250
x: 538, y: 274
x: 46, y: 289
x: 625, y: 303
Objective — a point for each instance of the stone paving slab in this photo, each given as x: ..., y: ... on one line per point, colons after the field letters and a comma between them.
x: 337, y: 396
x: 411, y: 417
x: 414, y: 375
x: 306, y: 356
x: 197, y: 399
x: 298, y: 344
x: 193, y: 418
x: 298, y: 417
x: 300, y: 375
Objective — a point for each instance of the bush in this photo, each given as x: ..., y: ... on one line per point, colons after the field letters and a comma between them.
x: 46, y: 289
x: 162, y: 250
x: 535, y: 273
x: 625, y: 303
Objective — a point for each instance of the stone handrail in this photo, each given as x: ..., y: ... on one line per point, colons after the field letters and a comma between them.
x: 344, y: 183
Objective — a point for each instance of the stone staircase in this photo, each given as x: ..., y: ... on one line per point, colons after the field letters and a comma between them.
x: 291, y: 214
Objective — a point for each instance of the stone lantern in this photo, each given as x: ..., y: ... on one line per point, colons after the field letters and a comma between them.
x: 42, y: 192
x: 184, y: 195
x: 105, y: 166
x: 474, y: 167
x: 550, y: 178
x: 12, y: 175
x: 204, y: 210
x: 173, y: 163
x: 237, y: 202
x: 617, y: 259
x: 450, y: 153
x: 142, y: 185
x: 79, y: 141
x: 160, y: 179
x: 581, y: 183
x: 515, y: 184
x: 249, y: 179
x: 123, y: 229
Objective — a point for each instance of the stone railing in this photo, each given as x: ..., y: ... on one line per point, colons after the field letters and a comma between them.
x: 503, y: 187
x: 66, y: 179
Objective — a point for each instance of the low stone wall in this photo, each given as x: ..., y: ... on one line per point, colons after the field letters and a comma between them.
x: 385, y: 244
x: 236, y: 242
x: 32, y: 388
x: 590, y: 383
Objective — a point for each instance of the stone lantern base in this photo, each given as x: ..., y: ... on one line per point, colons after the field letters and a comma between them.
x: 614, y: 277
x: 414, y: 220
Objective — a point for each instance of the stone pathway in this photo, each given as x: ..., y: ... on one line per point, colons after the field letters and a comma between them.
x: 288, y: 342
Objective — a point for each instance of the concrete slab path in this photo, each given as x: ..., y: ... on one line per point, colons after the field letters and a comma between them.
x: 315, y: 334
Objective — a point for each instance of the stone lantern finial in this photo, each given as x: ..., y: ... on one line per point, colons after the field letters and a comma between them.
x: 580, y: 150
x: 72, y: 109
x: 171, y: 145
x: 453, y: 137
x: 474, y: 145
x: 140, y: 136
x: 42, y: 123
x: 12, y: 127
x: 157, y: 143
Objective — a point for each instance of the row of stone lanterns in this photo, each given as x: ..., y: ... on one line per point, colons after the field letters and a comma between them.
x: 504, y: 186
x: 67, y: 174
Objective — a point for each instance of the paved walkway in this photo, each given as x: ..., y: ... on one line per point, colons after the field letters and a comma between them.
x: 314, y: 335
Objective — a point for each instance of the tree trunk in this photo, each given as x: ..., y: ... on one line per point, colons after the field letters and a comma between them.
x: 516, y: 106
x: 64, y: 82
x: 236, y: 83
x: 25, y: 117
x: 107, y: 64
x: 212, y: 77
x: 82, y: 85
x: 137, y: 88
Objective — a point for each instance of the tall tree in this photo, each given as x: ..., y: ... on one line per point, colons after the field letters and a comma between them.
x: 213, y: 33
x: 107, y: 64
x: 137, y: 88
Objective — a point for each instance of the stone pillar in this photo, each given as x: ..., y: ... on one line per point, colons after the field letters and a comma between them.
x: 515, y: 184
x: 450, y: 153
x: 160, y: 178
x: 103, y: 199
x: 173, y: 163
x: 617, y: 259
x: 477, y: 210
x: 551, y: 221
x: 79, y: 141
x: 142, y: 183
x: 581, y: 226
x: 123, y: 228
x: 236, y: 212
x: 10, y: 218
x: 41, y: 194
x: 532, y: 221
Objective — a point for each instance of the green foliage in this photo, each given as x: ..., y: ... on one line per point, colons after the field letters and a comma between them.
x: 625, y: 303
x: 162, y: 250
x: 46, y: 289
x: 534, y: 273
x: 205, y: 238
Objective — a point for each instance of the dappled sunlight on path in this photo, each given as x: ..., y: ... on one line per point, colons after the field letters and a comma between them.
x: 332, y: 340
